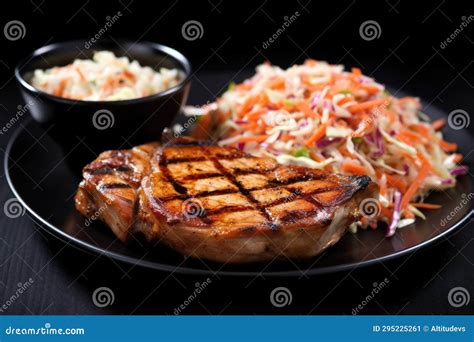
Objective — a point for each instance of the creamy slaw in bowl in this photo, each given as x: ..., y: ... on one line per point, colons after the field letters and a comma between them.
x: 105, y: 77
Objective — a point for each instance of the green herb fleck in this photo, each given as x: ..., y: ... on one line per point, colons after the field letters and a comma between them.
x: 231, y: 86
x: 302, y: 152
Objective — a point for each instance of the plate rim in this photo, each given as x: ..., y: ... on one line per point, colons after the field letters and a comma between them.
x: 158, y: 266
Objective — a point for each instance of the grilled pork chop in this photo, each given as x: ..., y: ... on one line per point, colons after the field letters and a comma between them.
x: 109, y: 188
x: 219, y: 203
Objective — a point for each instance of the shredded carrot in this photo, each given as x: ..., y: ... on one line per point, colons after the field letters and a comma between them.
x: 81, y: 75
x: 356, y: 71
x: 286, y: 137
x: 368, y: 104
x: 438, y: 124
x: 422, y: 129
x: 386, y: 212
x: 411, y: 136
x: 306, y: 109
x: 318, y: 133
x: 345, y: 152
x: 365, y: 126
x: 415, y: 185
x: 128, y: 74
x: 457, y: 157
x: 447, y: 147
x: 353, y: 168
x: 247, y: 105
x: 371, y: 90
x: 314, y: 156
x: 60, y: 89
x: 255, y: 138
x: 396, y: 182
x: 255, y: 115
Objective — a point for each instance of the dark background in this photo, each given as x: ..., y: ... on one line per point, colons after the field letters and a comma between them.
x: 407, y: 56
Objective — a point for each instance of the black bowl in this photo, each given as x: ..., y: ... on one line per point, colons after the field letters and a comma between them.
x: 103, y: 125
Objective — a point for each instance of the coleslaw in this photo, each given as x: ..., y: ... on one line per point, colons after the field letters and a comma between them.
x: 105, y: 78
x: 320, y: 116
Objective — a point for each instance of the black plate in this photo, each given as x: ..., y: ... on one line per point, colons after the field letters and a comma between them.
x: 44, y: 179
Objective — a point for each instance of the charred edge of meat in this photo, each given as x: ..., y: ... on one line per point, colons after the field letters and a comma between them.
x: 115, y: 186
x: 107, y: 170
x: 361, y: 182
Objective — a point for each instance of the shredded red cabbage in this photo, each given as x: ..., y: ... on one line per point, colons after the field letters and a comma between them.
x: 327, y: 141
x: 397, y: 199
x: 460, y: 170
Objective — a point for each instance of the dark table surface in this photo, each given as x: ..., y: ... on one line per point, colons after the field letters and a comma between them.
x: 64, y: 278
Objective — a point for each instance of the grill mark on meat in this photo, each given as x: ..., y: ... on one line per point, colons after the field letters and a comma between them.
x: 231, y: 176
x: 228, y: 209
x: 294, y: 215
x: 107, y: 170
x: 250, y: 171
x: 102, y: 171
x: 242, y: 190
x: 248, y: 230
x: 198, y: 159
x: 166, y: 172
x: 202, y: 176
x: 124, y: 168
x: 296, y: 194
x: 302, y: 178
x: 216, y: 192
x: 115, y: 186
